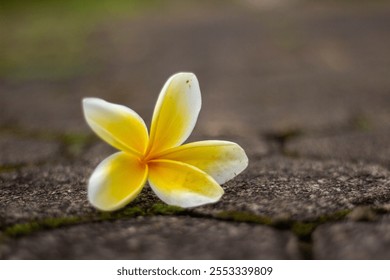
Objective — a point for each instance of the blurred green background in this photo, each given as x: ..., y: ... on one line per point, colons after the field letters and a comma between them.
x: 43, y: 39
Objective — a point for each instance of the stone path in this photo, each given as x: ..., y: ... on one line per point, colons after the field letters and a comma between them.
x: 303, y: 87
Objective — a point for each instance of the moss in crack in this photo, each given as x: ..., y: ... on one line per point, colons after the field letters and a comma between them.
x: 245, y: 217
x: 135, y: 211
x: 303, y: 230
x: 336, y: 216
x: 163, y: 209
x: 19, y: 230
x: 23, y: 229
x: 128, y: 212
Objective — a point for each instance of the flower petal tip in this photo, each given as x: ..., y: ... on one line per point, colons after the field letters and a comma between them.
x: 116, y: 181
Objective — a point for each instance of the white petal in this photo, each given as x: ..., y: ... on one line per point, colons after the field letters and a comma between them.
x: 116, y: 181
x: 176, y: 112
x: 118, y: 125
x: 181, y: 184
x: 223, y: 160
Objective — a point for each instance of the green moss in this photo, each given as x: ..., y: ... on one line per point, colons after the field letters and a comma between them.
x: 303, y: 230
x: 128, y: 212
x: 246, y: 217
x: 163, y: 209
x: 19, y: 230
x: 131, y: 212
x: 49, y: 223
x: 22, y: 229
x: 62, y: 221
x: 336, y: 216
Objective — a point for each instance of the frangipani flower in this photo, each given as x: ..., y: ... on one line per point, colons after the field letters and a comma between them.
x: 189, y: 175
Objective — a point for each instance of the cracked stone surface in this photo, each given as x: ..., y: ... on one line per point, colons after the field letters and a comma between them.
x: 302, y: 86
x: 303, y: 189
x: 353, y: 240
x: 156, y: 238
x: 39, y: 192
x: 276, y: 187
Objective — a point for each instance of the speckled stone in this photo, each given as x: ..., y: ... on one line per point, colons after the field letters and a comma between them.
x: 36, y: 193
x: 39, y: 192
x: 302, y: 189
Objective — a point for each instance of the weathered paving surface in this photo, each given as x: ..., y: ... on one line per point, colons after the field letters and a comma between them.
x: 353, y: 240
x: 303, y: 87
x: 160, y: 237
x: 284, y: 188
x: 40, y: 192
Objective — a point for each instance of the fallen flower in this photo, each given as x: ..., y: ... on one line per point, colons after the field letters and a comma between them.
x: 189, y: 175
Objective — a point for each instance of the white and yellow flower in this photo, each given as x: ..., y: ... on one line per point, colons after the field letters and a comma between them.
x: 189, y: 175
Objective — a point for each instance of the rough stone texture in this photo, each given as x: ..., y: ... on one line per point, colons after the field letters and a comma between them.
x: 356, y: 146
x: 353, y: 240
x: 21, y: 150
x: 303, y: 189
x: 36, y: 193
x: 40, y: 192
x: 274, y: 187
x: 156, y: 238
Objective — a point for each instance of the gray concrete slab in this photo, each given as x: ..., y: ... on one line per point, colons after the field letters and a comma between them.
x: 40, y: 192
x: 275, y: 187
x: 303, y: 189
x: 353, y: 240
x: 155, y: 238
